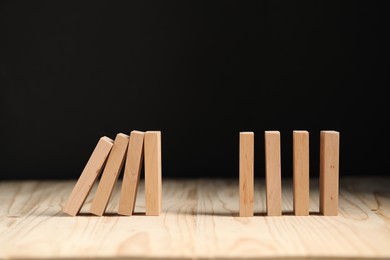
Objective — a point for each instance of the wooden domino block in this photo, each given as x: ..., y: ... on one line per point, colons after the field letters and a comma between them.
x: 246, y: 173
x: 153, y: 175
x: 273, y: 173
x: 132, y: 173
x: 110, y: 175
x: 301, y: 172
x: 329, y: 172
x: 88, y: 177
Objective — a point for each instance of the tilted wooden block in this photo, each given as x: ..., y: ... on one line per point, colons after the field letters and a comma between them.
x: 132, y: 173
x: 246, y: 180
x: 153, y: 174
x: 329, y: 172
x: 301, y: 172
x: 273, y: 173
x: 88, y: 177
x: 110, y: 175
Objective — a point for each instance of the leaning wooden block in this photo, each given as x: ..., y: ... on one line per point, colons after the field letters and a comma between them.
x: 301, y: 172
x: 329, y: 172
x: 132, y: 173
x: 246, y: 180
x: 88, y: 177
x: 153, y: 175
x: 273, y: 173
x: 110, y: 175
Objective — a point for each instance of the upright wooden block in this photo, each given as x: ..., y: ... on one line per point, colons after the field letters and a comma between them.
x: 88, y: 177
x: 273, y: 173
x: 110, y: 175
x: 246, y: 173
x: 153, y: 181
x: 132, y: 173
x: 329, y: 172
x: 301, y: 172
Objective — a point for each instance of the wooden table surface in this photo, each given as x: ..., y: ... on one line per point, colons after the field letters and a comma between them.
x: 199, y: 220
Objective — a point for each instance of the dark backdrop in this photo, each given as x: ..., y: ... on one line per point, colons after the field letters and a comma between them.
x: 199, y: 71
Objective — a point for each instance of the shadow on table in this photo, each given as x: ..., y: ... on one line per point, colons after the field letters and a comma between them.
x: 256, y: 214
x: 87, y: 214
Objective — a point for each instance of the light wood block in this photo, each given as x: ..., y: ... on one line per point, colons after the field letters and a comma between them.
x: 132, y: 173
x: 110, y: 174
x: 273, y: 173
x: 329, y: 172
x: 301, y: 172
x: 88, y: 176
x: 246, y: 180
x: 198, y: 221
x: 153, y: 173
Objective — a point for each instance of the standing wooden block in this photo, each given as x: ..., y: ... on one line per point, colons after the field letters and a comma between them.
x: 153, y: 181
x: 273, y: 173
x: 132, y: 173
x: 329, y: 172
x: 110, y: 175
x: 301, y: 172
x: 88, y: 177
x: 246, y: 173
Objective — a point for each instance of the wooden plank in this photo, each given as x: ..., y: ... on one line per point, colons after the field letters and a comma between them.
x: 246, y: 180
x: 88, y: 176
x: 273, y: 173
x: 329, y: 172
x: 301, y: 172
x: 110, y: 174
x: 153, y: 173
x: 132, y: 173
x: 198, y: 221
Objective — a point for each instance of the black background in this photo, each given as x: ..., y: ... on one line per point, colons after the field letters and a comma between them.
x: 199, y: 71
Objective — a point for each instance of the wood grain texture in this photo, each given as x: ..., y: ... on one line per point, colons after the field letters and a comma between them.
x: 134, y: 160
x: 273, y: 173
x: 301, y: 172
x: 199, y: 220
x: 88, y: 176
x: 329, y: 172
x: 246, y: 175
x: 110, y: 174
x: 153, y: 173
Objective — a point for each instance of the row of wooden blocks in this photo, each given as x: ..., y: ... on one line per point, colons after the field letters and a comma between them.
x: 145, y: 147
x: 329, y: 173
x: 136, y: 149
